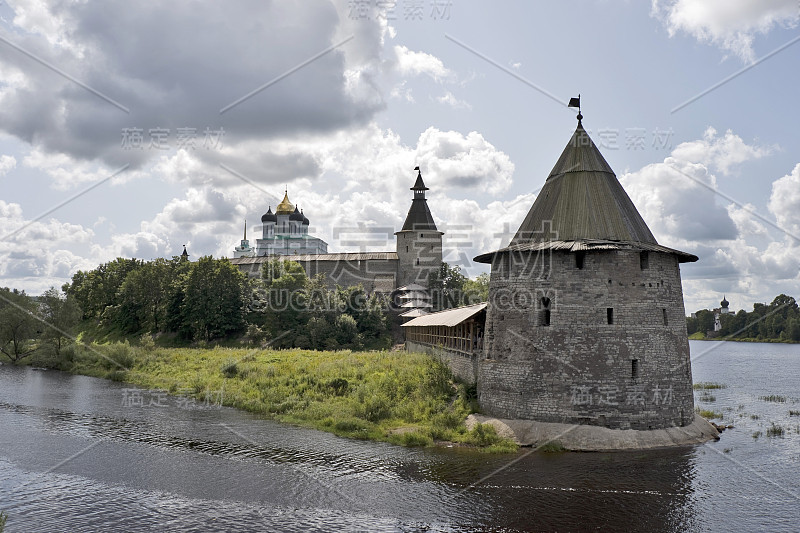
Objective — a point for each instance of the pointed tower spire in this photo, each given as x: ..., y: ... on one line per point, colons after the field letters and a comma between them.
x: 419, y: 216
x: 245, y: 229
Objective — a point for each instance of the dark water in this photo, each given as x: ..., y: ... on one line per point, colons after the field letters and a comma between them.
x: 77, y: 455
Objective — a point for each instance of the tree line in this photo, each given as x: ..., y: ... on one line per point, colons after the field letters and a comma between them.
x: 212, y: 300
x: 779, y: 320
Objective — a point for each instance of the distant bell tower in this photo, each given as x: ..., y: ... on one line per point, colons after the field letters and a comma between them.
x: 419, y: 243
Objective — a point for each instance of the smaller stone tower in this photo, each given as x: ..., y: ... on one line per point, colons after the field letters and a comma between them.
x: 419, y: 243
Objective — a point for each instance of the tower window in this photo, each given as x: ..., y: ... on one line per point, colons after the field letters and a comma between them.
x: 644, y: 260
x: 664, y: 315
x: 579, y: 257
x: 406, y: 249
x: 417, y: 260
x: 507, y: 265
x: 634, y: 368
x: 610, y: 315
x: 421, y: 236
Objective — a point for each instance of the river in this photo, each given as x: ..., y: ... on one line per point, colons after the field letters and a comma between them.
x: 84, y: 454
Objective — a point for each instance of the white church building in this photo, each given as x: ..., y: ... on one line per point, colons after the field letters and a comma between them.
x: 284, y: 232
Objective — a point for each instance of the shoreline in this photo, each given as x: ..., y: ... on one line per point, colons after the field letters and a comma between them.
x: 748, y: 339
x: 587, y: 438
x: 379, y: 396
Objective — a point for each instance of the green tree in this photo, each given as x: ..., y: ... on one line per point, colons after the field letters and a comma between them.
x: 97, y: 291
x: 60, y: 314
x: 285, y: 284
x: 144, y: 295
x: 447, y: 287
x: 18, y: 324
x: 214, y: 299
x: 476, y: 290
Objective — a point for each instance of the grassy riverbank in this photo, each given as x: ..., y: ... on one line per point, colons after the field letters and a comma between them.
x: 402, y: 398
x: 700, y: 336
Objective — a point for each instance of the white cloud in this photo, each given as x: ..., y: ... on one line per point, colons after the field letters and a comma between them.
x: 7, y: 162
x: 746, y: 223
x: 730, y: 25
x: 676, y: 197
x: 720, y: 153
x: 410, y: 63
x: 452, y: 101
x: 784, y: 203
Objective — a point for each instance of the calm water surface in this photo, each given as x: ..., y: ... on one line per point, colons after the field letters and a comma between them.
x: 76, y: 456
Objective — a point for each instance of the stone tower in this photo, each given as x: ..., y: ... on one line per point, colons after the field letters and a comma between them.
x: 586, y: 323
x: 419, y: 243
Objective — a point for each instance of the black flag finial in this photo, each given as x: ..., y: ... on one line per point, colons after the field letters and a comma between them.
x: 576, y: 102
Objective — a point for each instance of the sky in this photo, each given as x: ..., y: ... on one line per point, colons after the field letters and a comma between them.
x: 128, y: 129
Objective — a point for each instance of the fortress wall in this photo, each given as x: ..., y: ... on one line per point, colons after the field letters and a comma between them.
x: 579, y: 368
x: 374, y: 274
x: 463, y: 366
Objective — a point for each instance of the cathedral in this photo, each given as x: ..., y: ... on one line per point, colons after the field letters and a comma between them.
x: 284, y: 232
x: 418, y: 250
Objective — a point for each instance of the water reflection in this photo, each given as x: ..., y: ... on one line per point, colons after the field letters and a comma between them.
x: 148, y: 468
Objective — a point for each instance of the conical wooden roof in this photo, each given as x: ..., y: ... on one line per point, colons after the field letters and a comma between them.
x: 582, y: 200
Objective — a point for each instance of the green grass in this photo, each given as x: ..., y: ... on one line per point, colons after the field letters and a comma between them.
x: 794, y: 413
x: 705, y: 385
x: 773, y: 398
x: 3, y: 518
x: 362, y: 395
x: 775, y: 430
x: 707, y: 413
x: 551, y: 447
x: 697, y: 336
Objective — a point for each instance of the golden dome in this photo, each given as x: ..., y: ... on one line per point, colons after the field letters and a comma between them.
x: 285, y: 207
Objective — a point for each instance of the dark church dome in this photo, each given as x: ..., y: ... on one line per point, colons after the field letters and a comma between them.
x: 269, y: 216
x: 296, y: 216
x: 305, y: 220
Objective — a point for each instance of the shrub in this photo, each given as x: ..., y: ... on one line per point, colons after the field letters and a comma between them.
x: 351, y: 425
x: 375, y: 408
x: 773, y: 398
x: 775, y: 431
x: 338, y: 386
x: 230, y: 369
x: 414, y: 438
x: 707, y: 413
x: 703, y: 385
x: 119, y: 356
x: 483, y: 435
x: 147, y: 343
x: 551, y: 447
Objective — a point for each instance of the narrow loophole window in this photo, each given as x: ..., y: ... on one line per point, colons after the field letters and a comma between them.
x: 545, y: 311
x: 634, y: 368
x: 579, y: 257
x: 664, y: 314
x: 417, y: 260
x: 610, y: 315
x: 644, y: 260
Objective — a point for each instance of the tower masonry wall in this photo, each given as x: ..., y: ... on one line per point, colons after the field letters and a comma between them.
x: 419, y: 253
x: 589, y: 338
